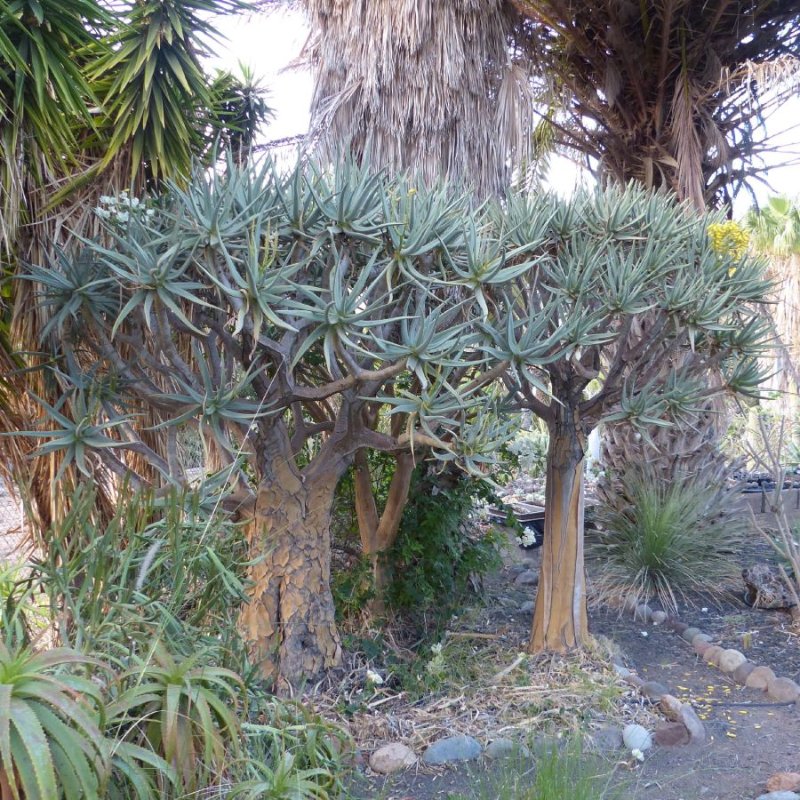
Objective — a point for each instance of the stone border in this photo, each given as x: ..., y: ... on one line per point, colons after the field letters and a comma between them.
x: 729, y: 661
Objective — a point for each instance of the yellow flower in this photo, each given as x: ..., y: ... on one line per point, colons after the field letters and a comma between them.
x: 728, y: 239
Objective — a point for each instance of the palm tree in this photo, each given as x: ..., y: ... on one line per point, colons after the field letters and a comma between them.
x: 775, y: 233
x: 663, y: 91
x: 428, y: 86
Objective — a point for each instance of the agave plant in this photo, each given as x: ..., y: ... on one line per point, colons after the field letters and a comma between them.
x: 51, y: 727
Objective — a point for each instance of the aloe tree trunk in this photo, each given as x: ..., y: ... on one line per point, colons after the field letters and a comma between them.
x: 559, y: 617
x: 289, y: 623
x: 379, y: 532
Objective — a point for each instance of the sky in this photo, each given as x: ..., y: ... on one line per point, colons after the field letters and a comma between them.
x: 270, y: 42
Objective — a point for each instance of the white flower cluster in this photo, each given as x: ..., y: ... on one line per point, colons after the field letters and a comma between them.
x: 119, y: 209
x: 436, y: 666
x: 480, y: 511
x: 527, y: 538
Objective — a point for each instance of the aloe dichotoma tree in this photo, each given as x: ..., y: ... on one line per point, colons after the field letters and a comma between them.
x: 276, y: 314
x: 273, y: 314
x: 624, y: 283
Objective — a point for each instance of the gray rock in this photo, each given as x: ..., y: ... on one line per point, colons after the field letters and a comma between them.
x: 623, y: 672
x: 452, y: 749
x: 505, y: 748
x: 658, y: 617
x: 606, y: 739
x: 742, y: 672
x: 643, y: 612
x: 392, y: 758
x: 779, y: 796
x: 697, y: 733
x: 689, y: 634
x: 527, y: 578
x: 654, y: 690
x: 527, y: 607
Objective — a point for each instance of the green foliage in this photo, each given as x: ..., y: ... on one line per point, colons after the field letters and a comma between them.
x: 169, y: 567
x: 666, y: 540
x: 51, y: 727
x: 439, y: 550
x: 561, y: 771
x: 185, y: 709
x: 295, y: 749
x: 529, y: 449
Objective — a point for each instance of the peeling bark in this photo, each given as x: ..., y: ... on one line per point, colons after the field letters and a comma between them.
x: 559, y: 619
x: 289, y: 622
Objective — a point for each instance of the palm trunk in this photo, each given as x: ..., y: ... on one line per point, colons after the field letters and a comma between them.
x: 289, y: 622
x: 559, y: 618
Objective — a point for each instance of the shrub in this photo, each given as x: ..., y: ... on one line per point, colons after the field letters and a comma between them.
x: 440, y: 548
x: 665, y: 540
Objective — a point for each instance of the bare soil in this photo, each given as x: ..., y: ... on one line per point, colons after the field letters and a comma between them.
x: 749, y: 738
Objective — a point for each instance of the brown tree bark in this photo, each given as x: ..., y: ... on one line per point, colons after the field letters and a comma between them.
x: 559, y: 617
x: 289, y: 622
x: 378, y: 533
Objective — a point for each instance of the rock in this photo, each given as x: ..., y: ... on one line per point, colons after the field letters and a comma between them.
x: 783, y: 782
x: 629, y: 604
x: 671, y: 707
x: 701, y: 646
x: 677, y: 626
x: 643, y: 612
x: 711, y: 656
x: 451, y: 749
x: 697, y: 733
x: 657, y: 617
x: 783, y: 690
x: 759, y: 678
x: 505, y: 748
x: 634, y: 680
x: 635, y: 737
x: 515, y: 569
x: 653, y: 690
x: 689, y: 634
x: 527, y: 607
x: 527, y: 578
x: 392, y: 758
x: 671, y: 734
x: 742, y: 671
x: 765, y: 587
x: 702, y: 637
x: 729, y: 660
x: 623, y: 672
x: 608, y: 738
x: 779, y: 796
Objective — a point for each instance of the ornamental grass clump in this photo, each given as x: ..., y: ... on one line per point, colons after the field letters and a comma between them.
x: 665, y: 541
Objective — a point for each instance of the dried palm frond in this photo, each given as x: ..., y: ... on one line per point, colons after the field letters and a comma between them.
x: 420, y: 85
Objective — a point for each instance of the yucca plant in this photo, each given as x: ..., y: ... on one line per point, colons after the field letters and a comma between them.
x: 51, y: 727
x: 666, y: 540
x: 183, y: 710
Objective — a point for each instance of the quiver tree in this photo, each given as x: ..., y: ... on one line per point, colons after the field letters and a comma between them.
x: 624, y: 282
x: 275, y: 315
